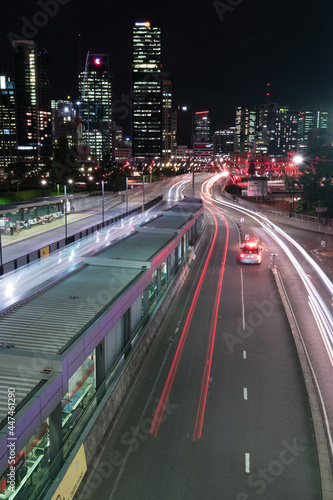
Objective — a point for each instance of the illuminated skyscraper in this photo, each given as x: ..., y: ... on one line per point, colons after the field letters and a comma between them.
x: 223, y: 141
x: 312, y: 121
x: 147, y: 90
x: 202, y: 126
x: 96, y: 105
x: 7, y: 122
x: 33, y: 101
x: 65, y: 122
x: 167, y: 121
x: 203, y: 148
x: 245, y: 124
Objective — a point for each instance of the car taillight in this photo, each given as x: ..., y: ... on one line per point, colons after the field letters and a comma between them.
x: 241, y: 255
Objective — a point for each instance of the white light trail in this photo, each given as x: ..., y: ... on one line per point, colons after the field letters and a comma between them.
x: 319, y: 309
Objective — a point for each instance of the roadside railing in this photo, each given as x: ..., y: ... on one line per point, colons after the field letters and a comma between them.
x: 317, y: 224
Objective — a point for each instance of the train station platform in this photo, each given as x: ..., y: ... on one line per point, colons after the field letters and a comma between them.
x: 69, y: 350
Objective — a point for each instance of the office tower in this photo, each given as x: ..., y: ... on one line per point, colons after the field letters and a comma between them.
x: 184, y: 135
x: 8, y: 145
x: 202, y: 126
x: 96, y: 106
x: 202, y: 149
x: 65, y: 122
x: 245, y: 128
x: 266, y: 121
x: 223, y: 141
x: 44, y: 112
x: 167, y: 120
x: 147, y: 90
x: 311, y: 119
x: 283, y: 133
x: 33, y: 102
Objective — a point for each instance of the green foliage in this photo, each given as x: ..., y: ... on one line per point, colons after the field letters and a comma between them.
x: 63, y: 165
x: 18, y: 196
x: 252, y: 169
x: 317, y: 181
x: 233, y: 189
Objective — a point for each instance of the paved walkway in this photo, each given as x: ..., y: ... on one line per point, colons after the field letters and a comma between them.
x: 7, y: 239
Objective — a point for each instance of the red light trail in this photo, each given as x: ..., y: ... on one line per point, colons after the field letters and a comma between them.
x: 169, y: 382
x: 209, y: 355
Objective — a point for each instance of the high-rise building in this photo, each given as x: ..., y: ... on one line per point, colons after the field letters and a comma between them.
x: 33, y: 101
x: 245, y: 123
x: 65, y: 122
x: 44, y: 112
x: 203, y: 148
x: 310, y: 118
x: 8, y: 151
x: 167, y: 121
x: 266, y: 122
x: 96, y: 105
x: 147, y: 94
x: 283, y: 133
x: 202, y: 127
x: 223, y: 141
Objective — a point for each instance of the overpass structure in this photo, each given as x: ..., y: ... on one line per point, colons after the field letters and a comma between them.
x: 70, y: 350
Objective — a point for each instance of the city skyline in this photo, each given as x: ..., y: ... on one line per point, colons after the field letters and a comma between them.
x: 218, y: 55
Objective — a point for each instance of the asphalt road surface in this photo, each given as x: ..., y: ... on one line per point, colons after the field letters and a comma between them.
x: 219, y: 410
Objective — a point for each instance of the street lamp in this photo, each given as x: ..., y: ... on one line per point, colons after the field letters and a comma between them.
x: 143, y: 190
x: 1, y: 262
x: 103, y: 203
x: 65, y: 194
x: 289, y: 188
x: 298, y: 159
x: 43, y: 181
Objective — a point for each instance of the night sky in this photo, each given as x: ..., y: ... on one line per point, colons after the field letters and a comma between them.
x: 216, y: 60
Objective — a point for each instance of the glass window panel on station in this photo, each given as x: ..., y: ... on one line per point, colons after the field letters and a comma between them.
x: 30, y: 213
x: 81, y: 388
x: 31, y: 465
x: 153, y: 288
x: 163, y: 273
x: 114, y: 342
x: 43, y: 210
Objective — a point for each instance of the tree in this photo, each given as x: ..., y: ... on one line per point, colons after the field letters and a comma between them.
x: 252, y: 169
x: 317, y: 181
x: 63, y: 165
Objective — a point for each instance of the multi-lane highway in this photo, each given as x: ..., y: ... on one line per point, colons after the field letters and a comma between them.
x: 220, y: 409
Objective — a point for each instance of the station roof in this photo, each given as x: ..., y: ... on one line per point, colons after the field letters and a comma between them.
x: 22, y: 385
x: 48, y: 321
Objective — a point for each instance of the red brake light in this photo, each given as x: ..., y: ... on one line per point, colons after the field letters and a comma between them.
x: 242, y: 255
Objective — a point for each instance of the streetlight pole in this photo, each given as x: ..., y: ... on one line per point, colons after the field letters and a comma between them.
x: 44, y: 184
x: 65, y: 194
x: 1, y: 262
x: 289, y: 187
x: 193, y: 182
x: 103, y: 203
x: 143, y: 190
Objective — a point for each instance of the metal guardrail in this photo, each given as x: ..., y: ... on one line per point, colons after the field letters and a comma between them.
x: 318, y: 224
